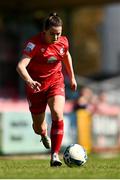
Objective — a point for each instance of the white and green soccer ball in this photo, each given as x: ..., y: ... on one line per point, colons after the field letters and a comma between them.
x: 75, y: 155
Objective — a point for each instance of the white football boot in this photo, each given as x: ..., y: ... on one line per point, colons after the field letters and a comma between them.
x: 55, y: 161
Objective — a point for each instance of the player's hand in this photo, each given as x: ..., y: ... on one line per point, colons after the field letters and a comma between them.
x: 73, y: 84
x: 34, y: 85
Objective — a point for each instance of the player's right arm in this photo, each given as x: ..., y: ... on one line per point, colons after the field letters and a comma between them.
x: 21, y: 69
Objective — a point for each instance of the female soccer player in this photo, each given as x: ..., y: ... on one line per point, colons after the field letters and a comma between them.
x: 41, y: 69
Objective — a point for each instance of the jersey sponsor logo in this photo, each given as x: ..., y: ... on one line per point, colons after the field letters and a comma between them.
x: 52, y: 59
x: 30, y: 46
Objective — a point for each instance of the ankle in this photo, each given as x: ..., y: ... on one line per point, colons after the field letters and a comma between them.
x: 54, y: 155
x: 43, y: 133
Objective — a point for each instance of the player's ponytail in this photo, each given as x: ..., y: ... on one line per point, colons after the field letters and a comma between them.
x: 52, y: 20
x: 53, y: 14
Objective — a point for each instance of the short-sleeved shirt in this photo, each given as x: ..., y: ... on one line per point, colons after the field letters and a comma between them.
x: 46, y: 59
x: 46, y: 67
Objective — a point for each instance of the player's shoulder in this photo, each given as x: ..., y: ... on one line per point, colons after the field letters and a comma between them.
x: 64, y: 40
x: 32, y: 42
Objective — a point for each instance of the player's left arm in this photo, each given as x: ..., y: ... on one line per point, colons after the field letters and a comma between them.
x: 69, y: 67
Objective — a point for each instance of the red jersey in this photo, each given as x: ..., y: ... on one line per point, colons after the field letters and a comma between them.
x: 46, y: 59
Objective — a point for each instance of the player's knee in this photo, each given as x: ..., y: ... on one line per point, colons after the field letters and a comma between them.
x: 57, y: 115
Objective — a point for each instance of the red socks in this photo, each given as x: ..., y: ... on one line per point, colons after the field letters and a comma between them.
x: 56, y: 135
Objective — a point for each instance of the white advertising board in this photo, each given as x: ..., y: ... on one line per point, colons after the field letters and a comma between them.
x: 106, y: 131
x: 17, y: 135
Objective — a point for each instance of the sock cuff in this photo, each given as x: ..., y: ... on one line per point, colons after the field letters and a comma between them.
x: 58, y: 122
x: 58, y: 127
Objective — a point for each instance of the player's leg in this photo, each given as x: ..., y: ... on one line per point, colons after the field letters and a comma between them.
x: 56, y: 104
x: 37, y: 105
x: 40, y: 128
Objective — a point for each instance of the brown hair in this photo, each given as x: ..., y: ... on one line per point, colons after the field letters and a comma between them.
x: 52, y: 20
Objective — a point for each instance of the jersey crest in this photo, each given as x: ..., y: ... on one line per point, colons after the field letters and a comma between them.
x: 62, y: 50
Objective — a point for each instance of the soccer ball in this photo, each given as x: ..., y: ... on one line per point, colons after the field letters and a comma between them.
x: 75, y: 155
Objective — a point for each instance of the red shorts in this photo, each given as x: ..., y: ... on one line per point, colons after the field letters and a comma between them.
x: 50, y: 87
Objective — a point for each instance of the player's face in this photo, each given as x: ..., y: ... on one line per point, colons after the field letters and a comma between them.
x: 52, y: 35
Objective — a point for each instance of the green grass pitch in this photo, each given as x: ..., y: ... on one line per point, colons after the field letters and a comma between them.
x: 95, y: 168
